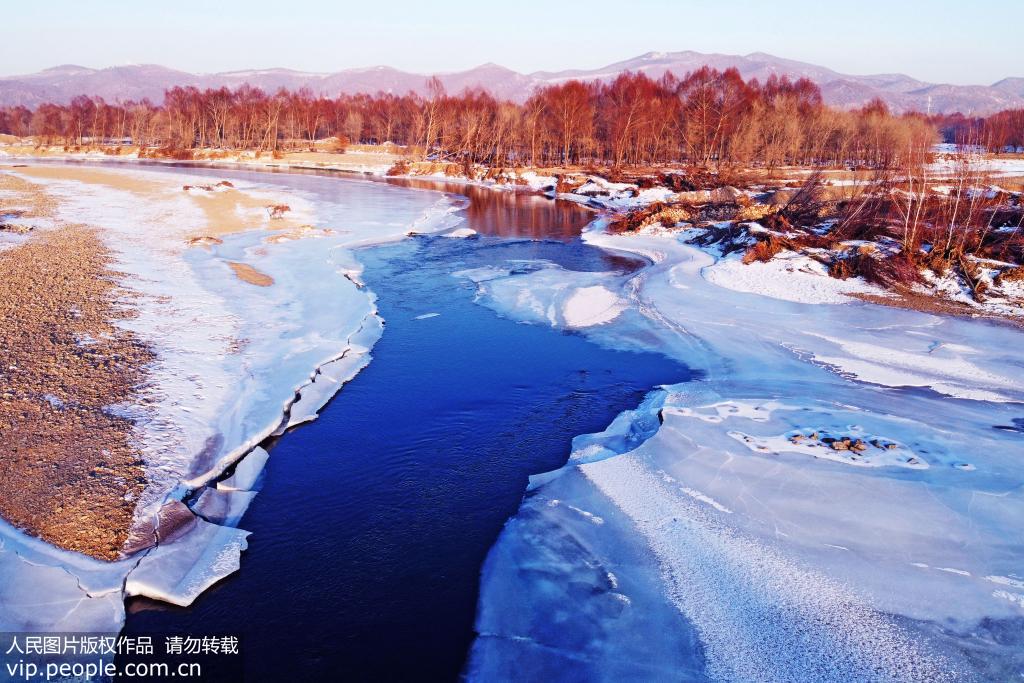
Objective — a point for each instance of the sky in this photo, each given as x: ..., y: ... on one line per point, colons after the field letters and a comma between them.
x: 936, y: 41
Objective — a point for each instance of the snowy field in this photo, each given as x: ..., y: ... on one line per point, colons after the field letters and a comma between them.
x: 838, y: 497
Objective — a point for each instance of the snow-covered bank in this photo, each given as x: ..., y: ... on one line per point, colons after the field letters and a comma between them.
x: 838, y: 498
x: 366, y: 159
x: 235, y: 363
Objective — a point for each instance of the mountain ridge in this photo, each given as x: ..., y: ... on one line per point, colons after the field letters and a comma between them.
x: 137, y: 81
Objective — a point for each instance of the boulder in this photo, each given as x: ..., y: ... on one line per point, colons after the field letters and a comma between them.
x: 726, y: 195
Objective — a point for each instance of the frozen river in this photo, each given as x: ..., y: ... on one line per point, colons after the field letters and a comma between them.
x: 372, y: 522
x: 758, y: 487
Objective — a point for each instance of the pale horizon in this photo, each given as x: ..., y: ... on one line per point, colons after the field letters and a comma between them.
x: 936, y: 44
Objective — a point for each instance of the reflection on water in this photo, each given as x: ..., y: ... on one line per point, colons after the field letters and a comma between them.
x: 499, y: 213
x: 511, y: 213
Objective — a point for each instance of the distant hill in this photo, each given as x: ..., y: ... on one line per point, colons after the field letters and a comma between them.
x: 901, y: 92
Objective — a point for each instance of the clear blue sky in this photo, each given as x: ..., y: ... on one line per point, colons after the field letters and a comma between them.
x: 961, y: 42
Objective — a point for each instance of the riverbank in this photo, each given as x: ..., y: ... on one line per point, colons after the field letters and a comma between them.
x: 732, y: 481
x: 748, y: 215
x: 71, y: 472
x: 370, y: 159
x: 219, y: 299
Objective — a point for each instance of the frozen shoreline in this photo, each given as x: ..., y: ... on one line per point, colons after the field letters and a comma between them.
x: 235, y: 365
x: 721, y: 453
x: 789, y: 558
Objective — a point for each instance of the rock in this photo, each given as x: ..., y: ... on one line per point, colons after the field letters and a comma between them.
x: 694, y: 197
x: 204, y: 241
x: 726, y: 195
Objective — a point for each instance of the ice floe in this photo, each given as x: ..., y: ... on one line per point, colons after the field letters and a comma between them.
x: 541, y: 291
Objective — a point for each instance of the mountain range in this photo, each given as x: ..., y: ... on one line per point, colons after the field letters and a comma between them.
x: 135, y: 82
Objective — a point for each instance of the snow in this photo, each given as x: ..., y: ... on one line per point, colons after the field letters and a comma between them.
x: 604, y: 193
x: 235, y: 363
x: 878, y: 451
x: 538, y: 182
x: 788, y: 276
x: 947, y: 164
x: 548, y: 293
x: 460, y: 232
x: 944, y: 368
x: 782, y: 557
x: 1006, y: 298
x: 747, y: 599
x: 593, y: 305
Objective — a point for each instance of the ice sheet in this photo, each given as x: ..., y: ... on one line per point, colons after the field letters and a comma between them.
x: 541, y: 291
x: 790, y: 558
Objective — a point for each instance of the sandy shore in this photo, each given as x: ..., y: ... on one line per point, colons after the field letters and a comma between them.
x: 227, y: 210
x: 68, y: 472
x: 375, y: 159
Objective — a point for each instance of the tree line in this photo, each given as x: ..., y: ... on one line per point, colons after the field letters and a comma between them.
x: 707, y: 118
x: 997, y: 133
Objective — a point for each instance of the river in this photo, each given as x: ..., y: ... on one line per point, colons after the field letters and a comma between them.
x: 373, y: 522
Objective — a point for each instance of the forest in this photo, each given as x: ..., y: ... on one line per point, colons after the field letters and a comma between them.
x: 707, y: 118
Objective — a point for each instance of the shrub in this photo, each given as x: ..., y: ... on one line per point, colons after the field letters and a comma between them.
x: 400, y: 167
x: 174, y: 153
x: 765, y: 249
x: 565, y: 184
x: 276, y: 211
x: 338, y: 144
x: 1015, y: 274
x: 897, y: 270
x: 777, y: 222
x: 657, y: 212
x: 840, y: 269
x: 755, y: 212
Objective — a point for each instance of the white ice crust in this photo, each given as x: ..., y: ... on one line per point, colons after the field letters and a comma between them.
x: 235, y: 363
x: 548, y: 293
x: 786, y: 558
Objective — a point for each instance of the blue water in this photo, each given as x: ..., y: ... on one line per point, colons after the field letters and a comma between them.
x: 373, y: 522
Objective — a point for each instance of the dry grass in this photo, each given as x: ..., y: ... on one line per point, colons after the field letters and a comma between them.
x: 656, y: 213
x: 1015, y: 274
x: 766, y: 248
